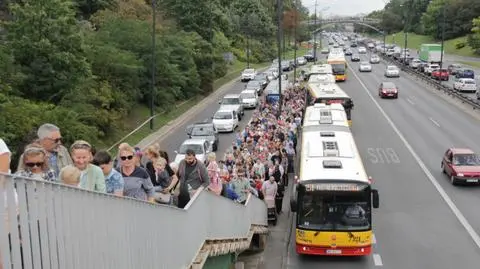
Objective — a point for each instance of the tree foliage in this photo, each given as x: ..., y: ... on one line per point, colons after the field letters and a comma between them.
x: 85, y: 65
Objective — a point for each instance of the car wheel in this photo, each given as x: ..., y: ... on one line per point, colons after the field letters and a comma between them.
x: 443, y: 168
x: 215, y: 147
x: 453, y: 180
x: 396, y: 96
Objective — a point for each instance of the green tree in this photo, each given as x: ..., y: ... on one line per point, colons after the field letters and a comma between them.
x: 474, y: 39
x: 47, y: 44
x: 86, y: 8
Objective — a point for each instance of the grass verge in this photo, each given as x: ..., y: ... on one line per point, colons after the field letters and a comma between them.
x: 473, y: 64
x: 414, y: 42
x: 142, y: 112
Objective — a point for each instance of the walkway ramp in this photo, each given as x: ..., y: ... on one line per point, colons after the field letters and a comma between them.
x: 65, y: 227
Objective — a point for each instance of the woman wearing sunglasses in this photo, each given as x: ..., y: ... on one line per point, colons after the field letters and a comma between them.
x: 137, y: 183
x: 35, y: 164
x: 91, y: 176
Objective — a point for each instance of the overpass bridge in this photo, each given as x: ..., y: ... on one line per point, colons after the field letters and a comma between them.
x: 63, y: 227
x: 364, y: 21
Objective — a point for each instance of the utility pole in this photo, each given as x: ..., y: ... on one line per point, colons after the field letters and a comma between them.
x: 279, y: 45
x: 248, y: 51
x: 315, y: 36
x: 443, y: 35
x: 295, y: 42
x: 154, y: 62
x: 405, y: 30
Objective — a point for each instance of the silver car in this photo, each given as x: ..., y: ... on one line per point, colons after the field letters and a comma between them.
x: 392, y: 71
x: 374, y: 59
x: 365, y: 67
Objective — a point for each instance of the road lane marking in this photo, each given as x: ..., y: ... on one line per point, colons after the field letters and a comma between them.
x: 377, y: 260
x: 434, y: 122
x: 410, y: 101
x: 461, y: 218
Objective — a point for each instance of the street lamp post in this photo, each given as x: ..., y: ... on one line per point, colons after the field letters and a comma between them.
x: 279, y: 45
x: 315, y: 36
x: 295, y: 43
x: 443, y: 36
x: 154, y: 63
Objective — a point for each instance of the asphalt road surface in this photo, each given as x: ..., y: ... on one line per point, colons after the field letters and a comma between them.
x: 423, y: 221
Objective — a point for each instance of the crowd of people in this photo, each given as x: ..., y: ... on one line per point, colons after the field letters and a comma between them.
x: 257, y: 162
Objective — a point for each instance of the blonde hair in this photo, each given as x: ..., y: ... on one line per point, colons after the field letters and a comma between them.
x: 153, y: 150
x: 70, y: 175
x: 160, y: 161
x: 212, y: 156
x: 126, y: 147
x: 80, y: 144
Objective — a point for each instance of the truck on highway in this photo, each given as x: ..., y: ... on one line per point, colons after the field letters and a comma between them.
x: 430, y: 53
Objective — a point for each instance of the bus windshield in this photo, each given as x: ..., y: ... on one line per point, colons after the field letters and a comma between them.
x: 338, y: 69
x: 335, y: 211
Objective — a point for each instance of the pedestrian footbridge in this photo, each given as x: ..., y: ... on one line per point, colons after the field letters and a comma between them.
x: 48, y: 225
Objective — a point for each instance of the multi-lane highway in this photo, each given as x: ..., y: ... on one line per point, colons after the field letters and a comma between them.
x: 423, y: 221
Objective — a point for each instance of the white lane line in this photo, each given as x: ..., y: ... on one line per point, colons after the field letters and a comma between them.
x: 374, y: 239
x: 434, y: 122
x: 461, y: 218
x: 377, y: 260
x: 410, y: 101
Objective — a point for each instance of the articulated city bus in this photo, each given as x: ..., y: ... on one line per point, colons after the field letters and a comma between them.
x: 339, y: 66
x: 329, y: 93
x: 333, y: 197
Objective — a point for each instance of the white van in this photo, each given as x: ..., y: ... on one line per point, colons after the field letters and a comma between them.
x: 249, y: 98
x: 225, y: 120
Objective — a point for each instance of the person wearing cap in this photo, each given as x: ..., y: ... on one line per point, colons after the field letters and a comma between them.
x: 91, y: 176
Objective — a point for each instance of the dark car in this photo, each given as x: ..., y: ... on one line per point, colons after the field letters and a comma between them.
x: 353, y: 45
x: 461, y: 165
x: 348, y: 52
x: 421, y: 67
x: 388, y: 90
x: 453, y: 68
x: 355, y: 58
x: 204, y: 130
x: 465, y: 73
x: 309, y: 57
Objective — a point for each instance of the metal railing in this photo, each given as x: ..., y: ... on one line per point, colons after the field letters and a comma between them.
x: 49, y: 225
x: 438, y: 85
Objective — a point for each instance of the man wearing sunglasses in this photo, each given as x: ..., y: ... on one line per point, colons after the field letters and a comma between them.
x: 50, y: 139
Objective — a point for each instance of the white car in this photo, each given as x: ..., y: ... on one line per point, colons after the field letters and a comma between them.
x: 362, y: 50
x: 301, y: 61
x: 201, y: 147
x: 465, y: 85
x: 365, y: 67
x: 225, y: 120
x: 430, y: 68
x: 248, y: 74
x: 249, y: 98
x: 392, y: 71
x: 374, y: 59
x: 415, y: 63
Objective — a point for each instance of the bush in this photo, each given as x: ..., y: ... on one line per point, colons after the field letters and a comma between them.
x: 460, y: 44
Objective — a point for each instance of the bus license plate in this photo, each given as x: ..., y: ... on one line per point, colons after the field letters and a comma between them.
x: 334, y: 251
x: 472, y: 180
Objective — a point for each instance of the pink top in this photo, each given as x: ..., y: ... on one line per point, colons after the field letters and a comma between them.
x: 214, y: 175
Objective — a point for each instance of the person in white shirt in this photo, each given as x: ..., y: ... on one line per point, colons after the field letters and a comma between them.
x: 4, y: 158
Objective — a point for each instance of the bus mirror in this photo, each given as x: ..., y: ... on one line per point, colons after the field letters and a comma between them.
x: 375, y: 199
x: 293, y: 205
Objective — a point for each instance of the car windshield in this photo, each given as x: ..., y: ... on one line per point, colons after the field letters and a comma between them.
x: 198, y: 149
x: 335, y: 211
x: 391, y: 68
x: 389, y: 85
x: 223, y: 116
x: 248, y: 95
x: 202, y: 131
x: 466, y: 160
x: 364, y: 63
x: 230, y: 101
x: 248, y: 71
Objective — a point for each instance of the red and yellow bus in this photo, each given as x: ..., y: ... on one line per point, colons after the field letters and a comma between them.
x: 339, y: 66
x: 333, y: 197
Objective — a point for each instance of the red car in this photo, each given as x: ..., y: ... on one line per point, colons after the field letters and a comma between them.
x: 441, y: 74
x: 388, y: 90
x: 461, y: 165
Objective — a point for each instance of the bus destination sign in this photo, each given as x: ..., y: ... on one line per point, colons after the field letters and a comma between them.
x: 333, y: 187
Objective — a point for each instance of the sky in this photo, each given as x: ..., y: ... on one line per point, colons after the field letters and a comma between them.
x: 344, y: 7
